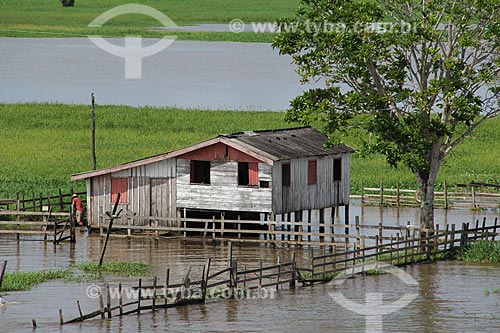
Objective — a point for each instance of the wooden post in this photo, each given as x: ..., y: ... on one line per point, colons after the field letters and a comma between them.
x: 321, y: 225
x: 230, y: 266
x: 79, y: 308
x: 495, y: 229
x: 108, y: 301
x: 167, y: 278
x: 292, y: 274
x: 41, y: 201
x: 362, y: 192
x: 358, y: 232
x: 309, y: 224
x: 462, y: 235
x: 120, y: 298
x: 48, y: 200
x: 213, y: 228
x: 205, y: 279
x: 139, y: 296
x: 101, y: 305
x: 397, y: 196
x: 445, y: 190
x: 33, y: 323
x: 33, y: 199
x: 381, y: 192
x: 376, y: 247
x: 473, y: 192
x: 94, y: 163
x: 61, y: 320
x: 452, y: 237
x: 346, y: 222
x: 380, y: 230
x: 113, y: 216
x: 297, y: 219
x: 2, y: 272
x: 279, y: 273
x: 222, y: 224
x: 185, y: 222
x: 332, y: 222
x: 483, y: 228
x: 312, y: 263
x: 154, y: 293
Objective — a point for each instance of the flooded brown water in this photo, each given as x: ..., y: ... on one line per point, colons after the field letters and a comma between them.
x: 450, y: 296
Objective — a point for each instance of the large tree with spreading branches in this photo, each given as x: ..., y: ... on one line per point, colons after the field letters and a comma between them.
x: 418, y: 76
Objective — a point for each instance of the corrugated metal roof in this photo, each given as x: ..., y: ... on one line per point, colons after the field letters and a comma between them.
x: 289, y: 143
x: 268, y: 146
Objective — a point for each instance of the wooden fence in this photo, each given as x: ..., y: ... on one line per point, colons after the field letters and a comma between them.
x: 54, y: 226
x: 303, y: 233
x: 239, y: 281
x: 39, y: 202
x: 459, y: 197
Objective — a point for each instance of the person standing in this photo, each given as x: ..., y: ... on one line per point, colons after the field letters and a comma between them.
x: 78, y: 208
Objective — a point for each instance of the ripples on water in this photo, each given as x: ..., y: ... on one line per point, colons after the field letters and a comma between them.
x: 451, y: 295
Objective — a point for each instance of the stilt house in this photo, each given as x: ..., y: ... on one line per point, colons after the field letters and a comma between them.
x: 254, y: 175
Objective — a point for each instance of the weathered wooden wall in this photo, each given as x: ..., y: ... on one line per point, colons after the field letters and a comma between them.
x: 301, y: 196
x: 223, y: 193
x: 151, y: 192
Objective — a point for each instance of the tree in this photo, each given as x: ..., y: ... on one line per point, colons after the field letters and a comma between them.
x: 418, y: 84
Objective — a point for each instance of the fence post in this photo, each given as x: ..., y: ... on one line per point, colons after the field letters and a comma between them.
x: 379, y: 233
x: 167, y: 280
x: 292, y: 277
x: 445, y: 190
x: 452, y: 236
x: 483, y: 229
x: 358, y: 232
x: 108, y: 301
x: 495, y: 229
x: 139, y: 295
x: 362, y: 192
x: 397, y: 196
x: 2, y: 272
x: 381, y: 192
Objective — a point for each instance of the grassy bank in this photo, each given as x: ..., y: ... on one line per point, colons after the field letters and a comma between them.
x: 42, y: 144
x: 47, y: 18
x: 480, y: 251
x: 15, y: 281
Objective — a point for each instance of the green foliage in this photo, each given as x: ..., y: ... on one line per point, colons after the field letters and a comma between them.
x: 417, y: 87
x: 25, y: 280
x: 117, y: 268
x: 47, y: 18
x: 481, y: 251
x: 43, y: 144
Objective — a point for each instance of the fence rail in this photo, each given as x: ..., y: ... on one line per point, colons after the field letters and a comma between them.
x: 40, y: 202
x: 461, y: 197
x: 411, y: 247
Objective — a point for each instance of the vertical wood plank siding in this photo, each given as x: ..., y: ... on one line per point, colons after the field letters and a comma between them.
x: 302, y: 196
x: 223, y: 193
x: 139, y: 194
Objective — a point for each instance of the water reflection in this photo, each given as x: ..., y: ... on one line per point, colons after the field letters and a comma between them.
x: 451, y: 294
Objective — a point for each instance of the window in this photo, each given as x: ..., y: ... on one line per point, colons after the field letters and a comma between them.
x: 311, y: 172
x: 200, y: 172
x: 119, y: 185
x: 337, y: 169
x: 285, y: 174
x: 248, y: 174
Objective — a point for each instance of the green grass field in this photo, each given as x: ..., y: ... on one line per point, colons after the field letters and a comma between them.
x: 47, y: 18
x: 42, y: 144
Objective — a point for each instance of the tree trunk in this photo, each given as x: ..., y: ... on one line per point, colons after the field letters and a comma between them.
x: 426, y: 180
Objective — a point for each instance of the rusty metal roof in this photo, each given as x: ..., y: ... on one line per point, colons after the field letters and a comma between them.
x: 289, y: 143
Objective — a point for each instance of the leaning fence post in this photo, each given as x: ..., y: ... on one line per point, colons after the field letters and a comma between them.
x: 2, y: 272
x: 452, y: 236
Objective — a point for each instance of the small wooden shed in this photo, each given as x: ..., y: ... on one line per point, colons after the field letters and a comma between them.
x: 250, y: 173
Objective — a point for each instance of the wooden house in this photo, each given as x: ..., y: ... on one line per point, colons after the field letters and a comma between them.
x: 255, y: 174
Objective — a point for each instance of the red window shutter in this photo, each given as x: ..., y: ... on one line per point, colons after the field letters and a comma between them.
x: 119, y: 185
x: 311, y: 172
x: 253, y: 174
